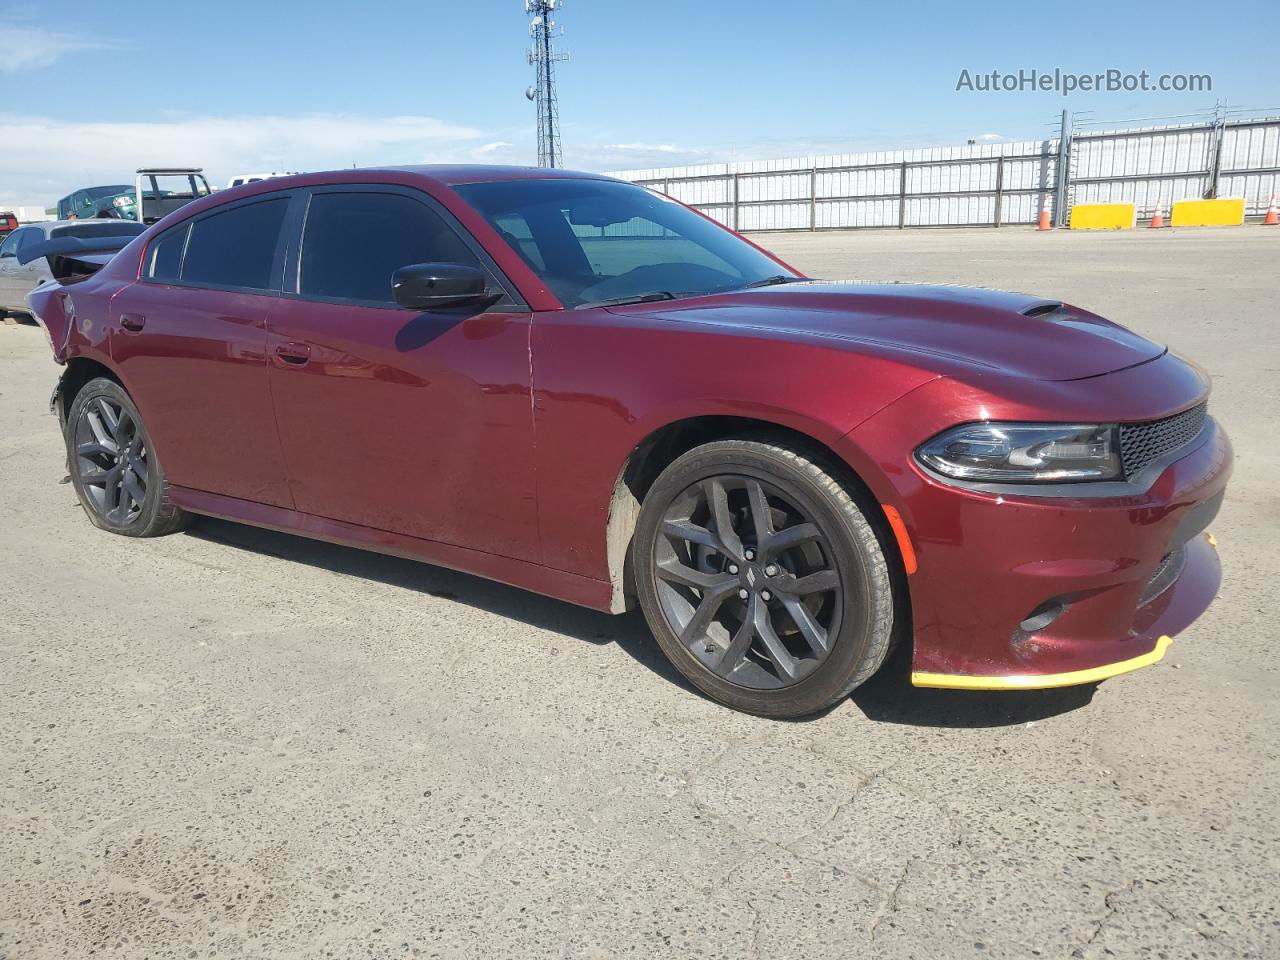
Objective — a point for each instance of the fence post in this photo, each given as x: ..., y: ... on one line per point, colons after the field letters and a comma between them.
x: 735, y: 201
x: 1215, y: 156
x: 902, y: 196
x: 999, y: 189
x: 1064, y: 171
x: 813, y: 197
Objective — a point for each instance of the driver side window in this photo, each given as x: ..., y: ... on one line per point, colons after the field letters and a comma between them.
x: 354, y: 242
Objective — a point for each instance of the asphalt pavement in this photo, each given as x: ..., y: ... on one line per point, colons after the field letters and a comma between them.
x: 242, y: 744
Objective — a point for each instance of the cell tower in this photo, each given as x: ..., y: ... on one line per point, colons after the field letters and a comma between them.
x: 543, y: 57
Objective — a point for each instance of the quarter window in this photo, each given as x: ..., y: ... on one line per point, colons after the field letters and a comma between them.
x: 164, y: 258
x: 355, y: 242
x: 236, y: 248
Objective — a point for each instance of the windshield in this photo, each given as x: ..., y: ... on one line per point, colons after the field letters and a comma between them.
x: 594, y: 241
x: 96, y: 193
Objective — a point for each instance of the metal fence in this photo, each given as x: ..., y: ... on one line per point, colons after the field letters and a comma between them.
x: 986, y: 184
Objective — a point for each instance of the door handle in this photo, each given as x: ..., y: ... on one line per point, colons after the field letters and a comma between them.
x: 294, y: 353
x: 133, y: 321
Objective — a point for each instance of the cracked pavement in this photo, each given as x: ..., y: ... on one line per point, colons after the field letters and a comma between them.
x: 237, y: 743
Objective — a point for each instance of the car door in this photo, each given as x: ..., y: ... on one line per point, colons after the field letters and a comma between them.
x: 15, y: 278
x: 190, y: 341
x: 412, y: 422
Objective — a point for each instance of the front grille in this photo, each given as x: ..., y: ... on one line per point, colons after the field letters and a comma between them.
x: 1143, y: 443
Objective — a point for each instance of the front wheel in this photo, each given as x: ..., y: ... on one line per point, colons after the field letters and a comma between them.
x: 114, y: 469
x: 762, y: 579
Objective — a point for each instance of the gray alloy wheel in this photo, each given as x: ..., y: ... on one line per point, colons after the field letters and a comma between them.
x: 745, y: 580
x: 761, y: 578
x: 113, y: 468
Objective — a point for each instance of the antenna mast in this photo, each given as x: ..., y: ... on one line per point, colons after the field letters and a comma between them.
x: 543, y: 57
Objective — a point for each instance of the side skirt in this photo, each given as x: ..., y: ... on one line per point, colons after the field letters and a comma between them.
x: 535, y: 577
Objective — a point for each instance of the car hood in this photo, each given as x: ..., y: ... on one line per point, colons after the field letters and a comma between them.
x: 947, y: 328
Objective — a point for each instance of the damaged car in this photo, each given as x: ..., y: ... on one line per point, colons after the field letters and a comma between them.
x: 584, y: 388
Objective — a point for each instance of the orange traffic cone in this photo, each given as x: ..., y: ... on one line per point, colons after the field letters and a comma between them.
x: 1157, y: 218
x: 1273, y: 217
x: 1044, y: 214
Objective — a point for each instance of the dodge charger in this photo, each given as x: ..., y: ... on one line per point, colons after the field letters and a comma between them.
x: 584, y: 388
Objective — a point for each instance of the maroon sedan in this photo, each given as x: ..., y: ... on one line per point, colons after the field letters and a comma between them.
x: 584, y: 388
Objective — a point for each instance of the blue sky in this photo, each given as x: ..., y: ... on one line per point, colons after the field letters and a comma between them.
x: 92, y: 90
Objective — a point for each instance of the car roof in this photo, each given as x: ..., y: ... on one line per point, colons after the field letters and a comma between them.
x: 92, y: 223
x: 97, y: 186
x: 447, y: 175
x: 437, y: 175
x: 450, y: 174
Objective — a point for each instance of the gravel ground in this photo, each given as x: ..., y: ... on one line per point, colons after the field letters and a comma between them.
x: 242, y: 744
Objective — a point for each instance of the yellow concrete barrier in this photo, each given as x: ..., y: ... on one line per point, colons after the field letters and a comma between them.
x: 1226, y: 212
x: 1102, y: 216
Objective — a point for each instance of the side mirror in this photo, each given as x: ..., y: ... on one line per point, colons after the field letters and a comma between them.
x: 430, y: 286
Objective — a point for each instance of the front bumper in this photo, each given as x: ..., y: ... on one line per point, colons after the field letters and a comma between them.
x: 1184, y: 601
x: 1023, y: 592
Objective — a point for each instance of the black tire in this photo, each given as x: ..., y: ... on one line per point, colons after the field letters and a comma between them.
x: 850, y: 624
x: 116, y: 474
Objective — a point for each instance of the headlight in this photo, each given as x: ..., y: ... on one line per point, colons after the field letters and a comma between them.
x: 122, y: 202
x: 1025, y: 453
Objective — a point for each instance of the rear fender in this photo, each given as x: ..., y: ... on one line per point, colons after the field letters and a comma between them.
x: 52, y: 305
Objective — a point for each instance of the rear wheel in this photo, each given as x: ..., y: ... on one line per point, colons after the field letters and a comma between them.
x: 113, y: 468
x: 761, y: 578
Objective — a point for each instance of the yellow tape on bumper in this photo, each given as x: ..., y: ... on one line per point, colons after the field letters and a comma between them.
x: 1228, y: 212
x: 1042, y: 681
x: 1102, y: 216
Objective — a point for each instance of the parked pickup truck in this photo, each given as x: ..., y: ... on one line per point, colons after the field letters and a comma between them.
x: 8, y: 223
x: 161, y: 189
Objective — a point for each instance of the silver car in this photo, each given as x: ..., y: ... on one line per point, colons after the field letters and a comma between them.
x: 17, y: 280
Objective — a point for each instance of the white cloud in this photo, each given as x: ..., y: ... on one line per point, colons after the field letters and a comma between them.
x: 44, y: 159
x: 27, y: 48
x: 989, y: 136
x: 632, y: 156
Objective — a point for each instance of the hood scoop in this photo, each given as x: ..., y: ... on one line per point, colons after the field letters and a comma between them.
x: 952, y: 330
x: 1044, y: 309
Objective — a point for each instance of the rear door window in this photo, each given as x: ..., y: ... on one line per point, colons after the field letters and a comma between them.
x: 235, y: 248
x: 354, y: 242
